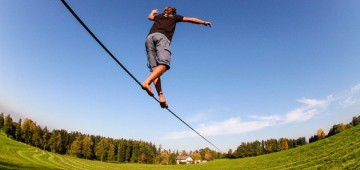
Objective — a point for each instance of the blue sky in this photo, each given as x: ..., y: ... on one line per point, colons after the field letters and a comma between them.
x: 266, y: 69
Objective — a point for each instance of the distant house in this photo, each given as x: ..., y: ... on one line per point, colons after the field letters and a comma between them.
x: 184, y: 159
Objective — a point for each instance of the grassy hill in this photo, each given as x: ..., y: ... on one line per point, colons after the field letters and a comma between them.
x: 341, y: 151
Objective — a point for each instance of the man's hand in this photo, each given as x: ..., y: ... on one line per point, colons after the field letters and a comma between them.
x: 155, y: 11
x: 151, y: 16
x: 197, y: 21
x: 207, y: 23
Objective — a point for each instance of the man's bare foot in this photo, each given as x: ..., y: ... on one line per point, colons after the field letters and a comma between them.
x: 162, y: 101
x: 164, y: 105
x: 147, y: 88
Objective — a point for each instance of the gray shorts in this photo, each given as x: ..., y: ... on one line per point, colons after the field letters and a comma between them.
x: 158, y: 50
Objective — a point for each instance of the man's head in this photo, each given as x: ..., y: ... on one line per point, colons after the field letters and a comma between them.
x: 170, y: 10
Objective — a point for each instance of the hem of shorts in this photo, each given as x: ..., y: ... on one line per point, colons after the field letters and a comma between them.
x: 166, y: 65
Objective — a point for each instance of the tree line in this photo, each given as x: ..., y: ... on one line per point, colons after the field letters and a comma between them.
x: 335, y: 129
x: 95, y: 147
x: 133, y: 151
x: 256, y: 148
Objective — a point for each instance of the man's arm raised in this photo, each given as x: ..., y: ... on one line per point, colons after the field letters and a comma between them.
x: 151, y: 16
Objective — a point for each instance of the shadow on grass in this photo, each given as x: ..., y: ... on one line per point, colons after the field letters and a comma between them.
x: 6, y: 165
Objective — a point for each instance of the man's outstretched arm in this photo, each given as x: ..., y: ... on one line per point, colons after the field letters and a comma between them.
x: 196, y: 21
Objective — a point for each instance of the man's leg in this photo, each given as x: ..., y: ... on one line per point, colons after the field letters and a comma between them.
x: 157, y: 83
x: 156, y: 73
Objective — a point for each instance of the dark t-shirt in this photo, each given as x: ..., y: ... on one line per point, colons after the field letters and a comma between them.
x: 165, y: 24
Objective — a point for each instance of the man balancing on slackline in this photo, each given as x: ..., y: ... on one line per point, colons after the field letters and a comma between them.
x: 158, y: 47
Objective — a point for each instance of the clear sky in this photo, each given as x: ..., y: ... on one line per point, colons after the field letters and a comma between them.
x: 266, y: 69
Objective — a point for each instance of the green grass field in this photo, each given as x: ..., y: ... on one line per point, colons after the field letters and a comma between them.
x: 341, y: 151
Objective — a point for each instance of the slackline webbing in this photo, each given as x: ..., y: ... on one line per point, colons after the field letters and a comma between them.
x: 125, y: 69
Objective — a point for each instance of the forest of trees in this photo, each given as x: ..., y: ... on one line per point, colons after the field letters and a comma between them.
x: 257, y: 148
x: 95, y: 147
x: 124, y: 151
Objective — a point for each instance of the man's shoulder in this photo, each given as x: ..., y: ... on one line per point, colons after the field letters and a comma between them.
x: 179, y: 17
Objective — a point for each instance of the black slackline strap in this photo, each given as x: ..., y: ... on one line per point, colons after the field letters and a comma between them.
x: 125, y: 69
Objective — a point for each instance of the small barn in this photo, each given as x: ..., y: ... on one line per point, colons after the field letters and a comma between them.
x: 184, y: 160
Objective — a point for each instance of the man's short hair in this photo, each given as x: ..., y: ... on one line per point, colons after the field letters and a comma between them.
x: 170, y: 9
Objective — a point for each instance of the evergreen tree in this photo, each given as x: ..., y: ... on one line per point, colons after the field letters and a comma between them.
x: 291, y: 143
x: 121, y: 145
x: 240, y: 152
x: 95, y: 141
x: 214, y: 154
x: 172, y: 158
x: 37, y: 136
x: 128, y: 152
x: 313, y: 139
x: 229, y: 154
x: 135, y: 152
x: 101, y: 149
x: 336, y: 129
x: 256, y: 148
x: 18, y: 131
x: 111, y: 156
x: 64, y: 141
x: 301, y: 141
x: 143, y: 151
x: 8, y: 126
x: 2, y: 120
x: 45, y: 139
x: 55, y: 142
x: 151, y: 153
x: 219, y: 155
x: 57, y: 145
x: 355, y: 121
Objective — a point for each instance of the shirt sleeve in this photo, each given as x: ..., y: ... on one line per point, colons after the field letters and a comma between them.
x: 179, y: 18
x: 155, y: 17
